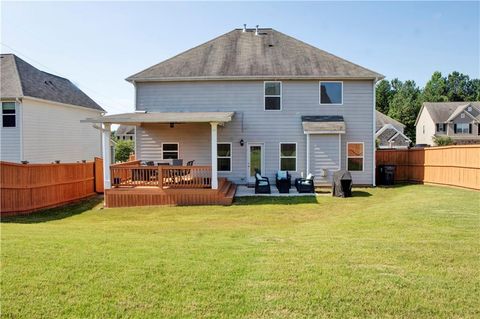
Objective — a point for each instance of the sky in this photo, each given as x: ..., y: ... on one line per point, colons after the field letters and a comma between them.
x: 98, y: 44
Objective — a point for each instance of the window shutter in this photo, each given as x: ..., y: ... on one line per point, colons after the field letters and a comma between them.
x: 444, y: 127
x: 455, y: 128
x: 438, y: 127
x: 470, y: 128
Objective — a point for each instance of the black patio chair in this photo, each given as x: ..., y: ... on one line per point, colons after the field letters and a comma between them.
x: 283, y: 181
x: 190, y: 163
x: 262, y: 183
x: 305, y: 185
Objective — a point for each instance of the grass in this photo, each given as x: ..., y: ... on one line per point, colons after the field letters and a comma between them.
x: 409, y: 251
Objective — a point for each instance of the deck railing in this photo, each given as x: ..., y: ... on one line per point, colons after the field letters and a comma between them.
x: 133, y: 174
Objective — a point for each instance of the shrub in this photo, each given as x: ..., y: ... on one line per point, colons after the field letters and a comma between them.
x: 442, y: 140
x: 123, y: 149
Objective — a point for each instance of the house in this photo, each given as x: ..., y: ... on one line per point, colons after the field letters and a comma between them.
x: 125, y: 132
x: 41, y: 115
x: 252, y: 99
x: 457, y: 120
x: 389, y: 132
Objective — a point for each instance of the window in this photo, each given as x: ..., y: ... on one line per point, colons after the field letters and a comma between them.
x: 355, y: 156
x: 288, y: 157
x: 224, y: 157
x: 8, y: 114
x: 170, y: 150
x: 462, y: 128
x: 273, y: 96
x: 331, y: 93
x: 441, y: 127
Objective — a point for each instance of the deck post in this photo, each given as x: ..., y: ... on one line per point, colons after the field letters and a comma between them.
x: 107, y: 161
x: 214, y: 127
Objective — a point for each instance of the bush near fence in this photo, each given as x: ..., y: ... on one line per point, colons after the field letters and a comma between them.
x: 30, y: 187
x: 457, y: 165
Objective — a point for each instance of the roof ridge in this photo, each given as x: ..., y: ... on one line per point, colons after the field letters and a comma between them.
x: 328, y: 53
x: 181, y: 53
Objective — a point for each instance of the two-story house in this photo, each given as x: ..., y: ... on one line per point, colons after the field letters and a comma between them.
x: 41, y: 115
x: 390, y: 133
x: 457, y: 120
x: 255, y: 99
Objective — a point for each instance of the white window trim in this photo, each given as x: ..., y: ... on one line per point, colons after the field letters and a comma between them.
x: 362, y: 157
x: 16, y: 115
x: 320, y: 92
x: 265, y: 96
x: 280, y: 155
x: 178, y: 149
x: 468, y: 128
x: 230, y: 157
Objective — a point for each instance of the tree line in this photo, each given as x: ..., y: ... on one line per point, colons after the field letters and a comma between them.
x: 403, y: 100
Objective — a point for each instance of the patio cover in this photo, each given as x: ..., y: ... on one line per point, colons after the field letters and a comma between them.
x: 163, y: 117
x: 323, y: 124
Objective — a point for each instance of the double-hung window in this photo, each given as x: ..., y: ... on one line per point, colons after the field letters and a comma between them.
x: 288, y: 157
x: 331, y: 93
x: 462, y: 128
x: 8, y: 114
x: 273, y: 96
x: 224, y: 157
x: 355, y: 156
x: 169, y: 150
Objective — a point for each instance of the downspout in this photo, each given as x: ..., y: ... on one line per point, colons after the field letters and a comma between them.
x: 374, y: 158
x: 18, y: 102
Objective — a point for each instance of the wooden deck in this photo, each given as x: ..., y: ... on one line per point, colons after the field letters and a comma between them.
x: 153, y: 195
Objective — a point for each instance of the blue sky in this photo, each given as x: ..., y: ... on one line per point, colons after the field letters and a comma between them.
x: 98, y: 44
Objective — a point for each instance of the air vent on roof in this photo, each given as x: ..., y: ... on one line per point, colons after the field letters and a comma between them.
x: 270, y: 45
x: 256, y: 30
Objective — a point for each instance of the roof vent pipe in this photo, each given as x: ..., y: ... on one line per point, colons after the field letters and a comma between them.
x: 256, y: 30
x: 244, y: 28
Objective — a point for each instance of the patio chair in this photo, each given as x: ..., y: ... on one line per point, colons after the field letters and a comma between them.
x: 262, y: 184
x: 190, y: 163
x: 283, y: 181
x: 305, y: 185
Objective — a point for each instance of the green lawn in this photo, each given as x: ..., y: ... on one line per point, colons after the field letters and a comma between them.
x: 408, y: 251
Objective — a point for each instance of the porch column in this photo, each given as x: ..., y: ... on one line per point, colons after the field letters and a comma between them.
x: 106, y: 154
x: 308, y: 155
x: 214, y: 126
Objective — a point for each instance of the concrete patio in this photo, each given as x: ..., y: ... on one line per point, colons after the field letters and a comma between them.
x: 245, y: 191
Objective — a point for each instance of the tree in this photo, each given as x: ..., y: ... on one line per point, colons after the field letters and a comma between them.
x: 436, y: 89
x: 405, y: 105
x: 383, y: 96
x: 475, y: 90
x: 458, y: 87
x: 123, y: 149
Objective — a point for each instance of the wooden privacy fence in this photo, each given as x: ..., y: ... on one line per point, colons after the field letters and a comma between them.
x: 30, y: 187
x: 457, y: 165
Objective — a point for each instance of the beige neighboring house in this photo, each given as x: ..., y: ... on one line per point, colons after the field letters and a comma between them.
x: 125, y: 133
x: 458, y: 120
x: 41, y: 115
x: 389, y: 133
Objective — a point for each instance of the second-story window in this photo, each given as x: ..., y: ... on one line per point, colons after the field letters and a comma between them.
x: 273, y: 96
x: 331, y: 93
x: 8, y: 114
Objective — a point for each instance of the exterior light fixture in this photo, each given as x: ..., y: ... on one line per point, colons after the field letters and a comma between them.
x: 242, y: 142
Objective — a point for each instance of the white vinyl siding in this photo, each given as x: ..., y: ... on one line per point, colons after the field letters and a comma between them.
x: 54, y: 132
x: 10, y: 139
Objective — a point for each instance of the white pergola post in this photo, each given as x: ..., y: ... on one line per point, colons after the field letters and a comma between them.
x: 214, y: 126
x: 106, y: 154
x: 308, y: 154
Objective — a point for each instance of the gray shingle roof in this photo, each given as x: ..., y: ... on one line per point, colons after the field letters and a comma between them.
x: 244, y: 55
x: 20, y: 79
x: 441, y: 111
x: 382, y: 119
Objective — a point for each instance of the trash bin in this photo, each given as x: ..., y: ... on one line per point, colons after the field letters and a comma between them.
x: 342, y: 184
x: 387, y: 174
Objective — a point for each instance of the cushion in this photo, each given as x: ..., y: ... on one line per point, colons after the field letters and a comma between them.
x: 258, y: 176
x: 310, y: 176
x: 307, y: 182
x: 282, y: 174
x: 263, y: 183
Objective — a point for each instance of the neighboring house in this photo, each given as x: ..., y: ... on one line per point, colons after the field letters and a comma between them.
x: 256, y: 99
x: 389, y: 132
x: 458, y: 120
x: 125, y: 133
x: 41, y: 115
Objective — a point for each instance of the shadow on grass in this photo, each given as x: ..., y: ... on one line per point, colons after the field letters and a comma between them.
x: 360, y: 194
x: 277, y: 200
x: 55, y: 213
